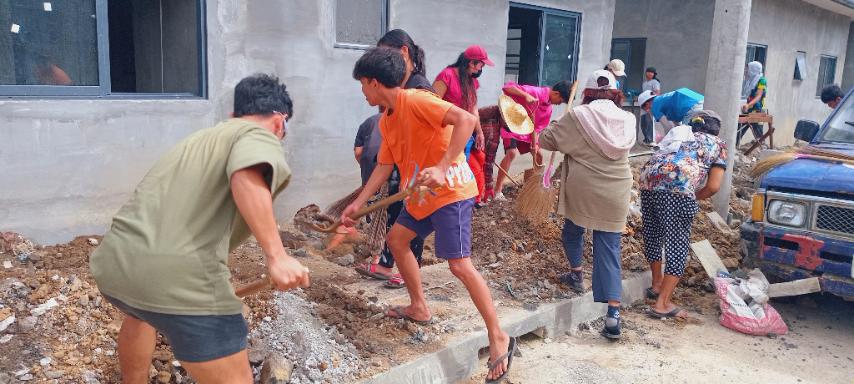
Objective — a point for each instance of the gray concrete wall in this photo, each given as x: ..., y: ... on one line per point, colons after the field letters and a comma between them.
x: 69, y: 164
x: 678, y: 34
x: 788, y: 26
x: 848, y: 71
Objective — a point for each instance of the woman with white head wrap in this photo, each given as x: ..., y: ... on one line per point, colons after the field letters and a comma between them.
x: 756, y: 88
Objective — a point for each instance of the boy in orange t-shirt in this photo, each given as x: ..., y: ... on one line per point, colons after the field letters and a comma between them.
x: 425, y: 136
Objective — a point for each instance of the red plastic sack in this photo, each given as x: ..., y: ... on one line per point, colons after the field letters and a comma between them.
x: 753, y: 319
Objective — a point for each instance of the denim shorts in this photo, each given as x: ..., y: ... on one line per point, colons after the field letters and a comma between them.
x: 452, y: 224
x: 194, y: 338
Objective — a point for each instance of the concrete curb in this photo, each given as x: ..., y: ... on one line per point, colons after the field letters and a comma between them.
x: 458, y: 359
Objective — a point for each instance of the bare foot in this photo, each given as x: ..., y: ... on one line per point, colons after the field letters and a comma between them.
x: 497, y: 348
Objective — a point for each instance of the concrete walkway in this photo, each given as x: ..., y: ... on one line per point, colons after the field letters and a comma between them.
x: 458, y: 359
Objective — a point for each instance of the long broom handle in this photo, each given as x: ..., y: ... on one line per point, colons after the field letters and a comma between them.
x: 507, y: 174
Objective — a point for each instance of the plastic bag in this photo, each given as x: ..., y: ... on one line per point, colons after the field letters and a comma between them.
x: 745, y: 308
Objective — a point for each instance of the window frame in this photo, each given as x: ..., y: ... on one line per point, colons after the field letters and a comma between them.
x: 384, y: 27
x: 576, y: 47
x: 800, y: 71
x: 819, y: 85
x: 104, y: 89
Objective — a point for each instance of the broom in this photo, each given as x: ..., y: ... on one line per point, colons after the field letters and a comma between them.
x: 767, y: 164
x: 536, y: 199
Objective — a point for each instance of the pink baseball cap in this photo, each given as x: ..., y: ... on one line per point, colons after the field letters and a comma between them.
x: 476, y: 52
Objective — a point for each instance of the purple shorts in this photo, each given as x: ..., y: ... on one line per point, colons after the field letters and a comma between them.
x: 452, y: 224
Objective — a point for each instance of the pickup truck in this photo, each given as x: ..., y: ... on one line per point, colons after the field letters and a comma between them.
x: 802, y: 215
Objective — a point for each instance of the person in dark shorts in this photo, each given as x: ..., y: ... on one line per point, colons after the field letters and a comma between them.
x: 414, y: 78
x: 164, y: 261
x: 424, y: 136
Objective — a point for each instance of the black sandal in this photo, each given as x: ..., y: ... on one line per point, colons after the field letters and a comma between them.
x: 511, y: 348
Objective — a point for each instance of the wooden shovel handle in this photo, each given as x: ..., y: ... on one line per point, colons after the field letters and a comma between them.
x: 368, y: 209
x: 253, y: 287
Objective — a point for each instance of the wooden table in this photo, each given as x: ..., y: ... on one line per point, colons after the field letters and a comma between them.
x: 757, y: 117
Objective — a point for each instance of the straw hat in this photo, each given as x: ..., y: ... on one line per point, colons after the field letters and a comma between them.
x: 515, y: 116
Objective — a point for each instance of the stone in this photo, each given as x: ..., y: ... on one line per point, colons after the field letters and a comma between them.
x: 83, y: 300
x: 92, y: 241
x: 46, y: 306
x: 7, y: 264
x: 5, y: 378
x: 162, y: 355
x: 276, y: 369
x: 300, y: 253
x: 6, y: 322
x: 26, y: 377
x: 164, y: 377
x: 45, y: 361
x: 345, y: 260
x: 730, y: 262
x: 257, y: 355
x: 52, y: 375
x: 6, y: 338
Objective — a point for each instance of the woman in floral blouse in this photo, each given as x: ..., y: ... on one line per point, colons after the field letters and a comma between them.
x: 689, y: 167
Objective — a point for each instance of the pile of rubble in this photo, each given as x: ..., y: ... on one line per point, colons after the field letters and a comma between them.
x: 57, y: 327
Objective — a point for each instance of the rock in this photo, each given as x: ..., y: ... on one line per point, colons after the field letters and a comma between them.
x: 6, y: 338
x: 5, y: 378
x: 276, y: 369
x: 730, y: 262
x: 345, y: 260
x: 52, y: 375
x: 7, y: 264
x: 83, y: 300
x: 257, y: 355
x: 164, y: 377
x: 735, y: 224
x: 162, y: 355
x: 40, y: 293
x: 26, y: 377
x: 300, y: 253
x: 41, y: 309
x: 45, y: 361
x: 92, y: 241
x: 6, y: 323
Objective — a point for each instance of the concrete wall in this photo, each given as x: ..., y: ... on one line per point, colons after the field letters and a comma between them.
x: 788, y: 26
x: 678, y: 33
x: 848, y: 71
x: 69, y: 164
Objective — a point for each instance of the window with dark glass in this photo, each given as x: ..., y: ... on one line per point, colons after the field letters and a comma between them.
x: 826, y: 73
x: 102, y: 48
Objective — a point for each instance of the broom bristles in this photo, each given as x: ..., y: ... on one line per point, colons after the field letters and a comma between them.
x: 337, y: 208
x: 770, y: 162
x: 767, y: 164
x: 535, y: 201
x: 379, y: 221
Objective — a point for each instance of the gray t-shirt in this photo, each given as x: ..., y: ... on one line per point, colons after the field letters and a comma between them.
x: 369, y: 138
x: 652, y: 85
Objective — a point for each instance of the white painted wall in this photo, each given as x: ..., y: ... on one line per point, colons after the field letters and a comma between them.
x: 68, y: 165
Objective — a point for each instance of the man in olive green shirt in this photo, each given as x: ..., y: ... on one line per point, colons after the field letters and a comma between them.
x: 164, y: 260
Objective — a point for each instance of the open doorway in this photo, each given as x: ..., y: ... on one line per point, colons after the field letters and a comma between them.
x: 542, y: 45
x: 633, y: 53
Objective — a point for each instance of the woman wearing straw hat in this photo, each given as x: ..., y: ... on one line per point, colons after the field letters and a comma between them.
x: 595, y: 188
x: 518, y: 138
